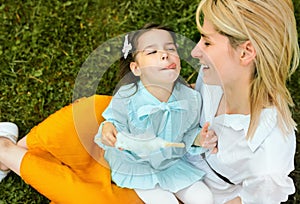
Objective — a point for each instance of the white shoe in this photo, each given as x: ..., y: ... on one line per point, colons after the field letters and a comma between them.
x: 10, y: 131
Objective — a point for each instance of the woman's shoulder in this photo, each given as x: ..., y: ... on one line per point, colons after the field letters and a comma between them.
x: 270, y: 133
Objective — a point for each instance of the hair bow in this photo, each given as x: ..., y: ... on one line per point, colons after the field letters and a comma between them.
x: 126, y: 47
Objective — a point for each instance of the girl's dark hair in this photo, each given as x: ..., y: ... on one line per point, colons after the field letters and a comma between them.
x: 125, y: 74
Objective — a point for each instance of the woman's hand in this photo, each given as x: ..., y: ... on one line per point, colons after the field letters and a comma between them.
x: 109, y: 134
x: 207, y: 139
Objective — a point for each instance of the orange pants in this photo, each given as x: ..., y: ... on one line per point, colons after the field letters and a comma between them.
x: 64, y: 164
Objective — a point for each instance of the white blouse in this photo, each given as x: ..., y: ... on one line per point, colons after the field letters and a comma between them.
x: 258, y: 168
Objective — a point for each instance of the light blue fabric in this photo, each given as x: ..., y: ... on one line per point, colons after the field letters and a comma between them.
x: 140, y: 113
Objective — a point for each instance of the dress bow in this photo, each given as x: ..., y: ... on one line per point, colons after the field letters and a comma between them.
x: 165, y: 107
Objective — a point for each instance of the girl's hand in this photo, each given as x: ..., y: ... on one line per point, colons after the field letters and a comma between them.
x: 207, y: 139
x: 236, y: 200
x: 109, y: 133
x: 193, y: 85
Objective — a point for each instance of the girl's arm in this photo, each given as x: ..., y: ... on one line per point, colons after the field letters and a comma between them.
x: 116, y: 116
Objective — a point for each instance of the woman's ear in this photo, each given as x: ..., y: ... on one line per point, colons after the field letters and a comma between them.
x: 248, y: 53
x: 135, y: 69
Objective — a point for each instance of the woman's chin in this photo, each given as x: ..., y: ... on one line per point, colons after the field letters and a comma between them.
x: 210, y: 81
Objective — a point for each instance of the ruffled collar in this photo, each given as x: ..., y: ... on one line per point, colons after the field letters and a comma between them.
x: 239, y: 122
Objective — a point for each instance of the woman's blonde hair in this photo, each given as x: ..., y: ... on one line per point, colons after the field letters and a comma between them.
x: 270, y: 26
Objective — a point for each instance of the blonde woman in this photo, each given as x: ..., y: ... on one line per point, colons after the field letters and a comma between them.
x: 248, y: 49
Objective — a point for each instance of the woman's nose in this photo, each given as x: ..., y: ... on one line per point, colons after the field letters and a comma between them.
x: 196, y: 52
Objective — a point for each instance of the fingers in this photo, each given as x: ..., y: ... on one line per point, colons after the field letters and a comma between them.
x: 108, y: 139
x: 211, y: 141
x: 203, y: 136
x: 205, y: 127
x: 109, y: 134
x: 214, y: 150
x: 114, y: 131
x: 210, y: 144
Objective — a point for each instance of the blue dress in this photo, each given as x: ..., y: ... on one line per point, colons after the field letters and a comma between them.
x: 138, y: 112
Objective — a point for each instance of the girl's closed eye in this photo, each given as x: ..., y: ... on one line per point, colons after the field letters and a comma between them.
x: 150, y: 51
x: 172, y: 49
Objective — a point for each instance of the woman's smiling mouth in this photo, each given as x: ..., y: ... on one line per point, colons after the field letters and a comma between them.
x: 203, y: 67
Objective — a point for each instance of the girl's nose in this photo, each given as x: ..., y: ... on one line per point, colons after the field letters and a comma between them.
x: 164, y: 55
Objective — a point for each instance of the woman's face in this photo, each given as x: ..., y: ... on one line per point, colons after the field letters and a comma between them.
x: 220, y: 61
x: 157, y: 60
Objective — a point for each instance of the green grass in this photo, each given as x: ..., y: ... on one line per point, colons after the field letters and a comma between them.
x: 43, y: 45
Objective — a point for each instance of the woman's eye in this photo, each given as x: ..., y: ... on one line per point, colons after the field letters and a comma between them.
x: 206, y: 43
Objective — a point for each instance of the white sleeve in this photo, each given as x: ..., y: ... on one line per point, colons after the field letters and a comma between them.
x: 268, y: 189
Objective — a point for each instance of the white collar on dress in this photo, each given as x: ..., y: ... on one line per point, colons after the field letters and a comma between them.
x: 268, y: 119
x: 238, y: 122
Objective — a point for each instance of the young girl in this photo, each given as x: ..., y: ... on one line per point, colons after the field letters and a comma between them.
x: 155, y: 104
